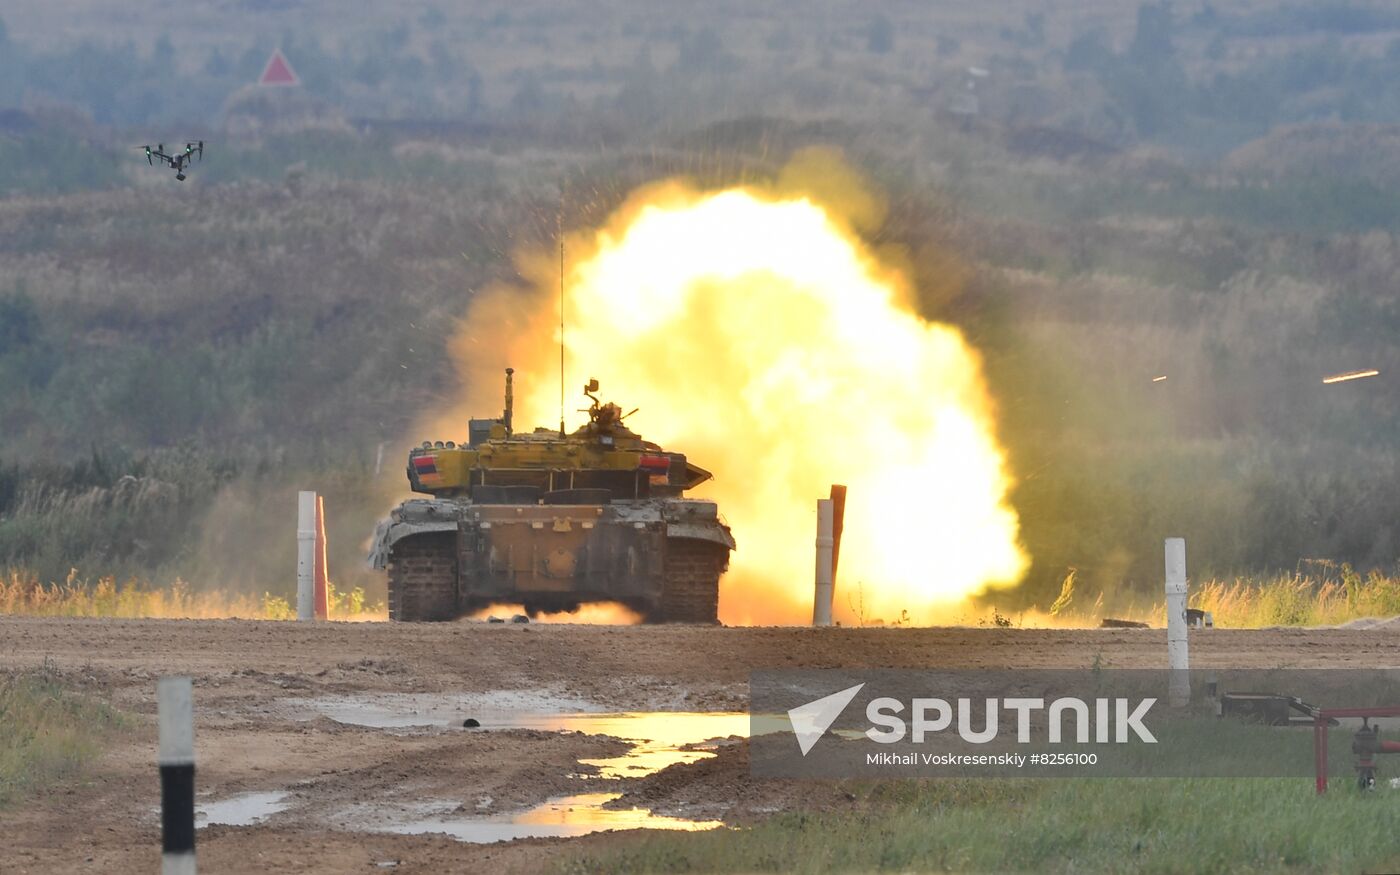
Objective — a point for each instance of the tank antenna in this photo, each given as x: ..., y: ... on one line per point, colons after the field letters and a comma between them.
x: 510, y: 403
x: 561, y: 314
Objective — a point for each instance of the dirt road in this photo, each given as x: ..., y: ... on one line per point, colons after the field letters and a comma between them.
x: 348, y: 730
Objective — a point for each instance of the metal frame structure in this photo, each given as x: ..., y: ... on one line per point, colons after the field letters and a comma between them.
x: 1365, y: 746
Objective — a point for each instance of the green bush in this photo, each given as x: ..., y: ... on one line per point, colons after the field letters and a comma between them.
x: 49, y: 732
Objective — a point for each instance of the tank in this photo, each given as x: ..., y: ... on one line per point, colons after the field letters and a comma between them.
x: 552, y: 521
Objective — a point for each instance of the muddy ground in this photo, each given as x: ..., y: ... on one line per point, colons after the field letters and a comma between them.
x: 272, y: 700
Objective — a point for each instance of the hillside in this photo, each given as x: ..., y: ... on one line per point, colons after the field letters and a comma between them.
x: 282, y: 319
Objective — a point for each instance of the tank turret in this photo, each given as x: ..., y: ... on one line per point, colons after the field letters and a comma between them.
x: 603, y: 454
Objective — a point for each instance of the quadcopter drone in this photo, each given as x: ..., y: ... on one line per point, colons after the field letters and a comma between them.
x: 177, y: 161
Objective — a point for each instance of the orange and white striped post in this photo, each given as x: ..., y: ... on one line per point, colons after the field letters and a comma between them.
x: 838, y: 522
x: 321, y: 595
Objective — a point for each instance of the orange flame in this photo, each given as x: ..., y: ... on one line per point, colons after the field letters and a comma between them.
x: 760, y: 335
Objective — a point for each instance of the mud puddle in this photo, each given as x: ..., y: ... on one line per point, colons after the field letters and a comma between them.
x: 559, y: 817
x: 245, y: 809
x: 657, y: 739
x: 418, y: 711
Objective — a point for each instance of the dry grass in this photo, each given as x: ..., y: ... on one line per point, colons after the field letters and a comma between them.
x: 23, y: 593
x: 1300, y: 599
x: 1327, y: 595
x: 1320, y: 593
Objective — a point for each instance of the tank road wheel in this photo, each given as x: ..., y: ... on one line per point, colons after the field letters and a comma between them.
x: 690, y: 593
x: 423, y: 577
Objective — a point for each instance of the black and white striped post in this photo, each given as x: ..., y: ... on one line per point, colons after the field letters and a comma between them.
x: 175, y: 696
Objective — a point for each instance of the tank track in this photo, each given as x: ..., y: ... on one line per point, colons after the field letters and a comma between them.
x: 691, y: 593
x: 423, y: 578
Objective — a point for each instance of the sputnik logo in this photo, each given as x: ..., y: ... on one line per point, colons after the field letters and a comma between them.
x: 811, y: 721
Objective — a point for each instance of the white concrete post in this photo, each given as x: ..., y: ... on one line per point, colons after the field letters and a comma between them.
x: 821, y: 602
x: 175, y: 710
x: 306, y: 555
x: 1179, y: 686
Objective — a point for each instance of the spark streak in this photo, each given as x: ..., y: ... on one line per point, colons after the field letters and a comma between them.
x: 1350, y: 375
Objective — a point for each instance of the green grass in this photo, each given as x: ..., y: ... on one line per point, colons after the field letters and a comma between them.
x: 47, y: 732
x: 1079, y: 825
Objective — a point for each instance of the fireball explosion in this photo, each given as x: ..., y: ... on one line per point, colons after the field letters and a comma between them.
x: 758, y: 333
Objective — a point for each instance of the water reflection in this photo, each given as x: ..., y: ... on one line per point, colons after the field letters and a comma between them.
x: 560, y: 817
x: 658, y: 737
x: 657, y: 740
x: 244, y: 809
